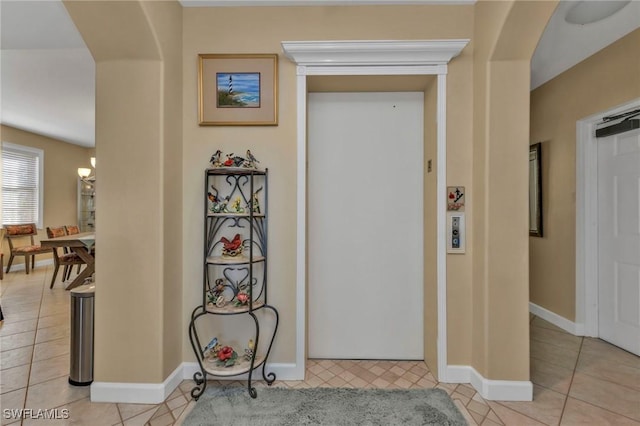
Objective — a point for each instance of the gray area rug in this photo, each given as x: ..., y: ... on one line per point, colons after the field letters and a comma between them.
x: 324, y: 406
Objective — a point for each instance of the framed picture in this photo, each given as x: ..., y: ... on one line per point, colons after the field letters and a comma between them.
x: 535, y: 190
x: 238, y: 90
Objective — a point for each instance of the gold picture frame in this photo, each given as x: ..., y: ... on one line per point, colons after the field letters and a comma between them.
x: 237, y: 89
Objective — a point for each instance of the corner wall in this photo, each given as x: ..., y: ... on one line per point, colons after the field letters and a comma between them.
x: 606, y: 79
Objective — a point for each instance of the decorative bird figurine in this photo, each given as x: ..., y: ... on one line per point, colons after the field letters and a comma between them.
x: 251, y: 159
x: 215, y: 159
x: 229, y: 161
x: 233, y: 244
x: 211, y: 344
x: 213, y: 198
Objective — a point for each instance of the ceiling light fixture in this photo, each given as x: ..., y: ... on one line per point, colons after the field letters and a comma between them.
x: 84, y: 172
x: 589, y: 11
x: 93, y: 162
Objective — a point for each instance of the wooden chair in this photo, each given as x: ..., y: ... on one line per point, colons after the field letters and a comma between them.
x: 66, y: 260
x: 71, y: 230
x: 19, y: 232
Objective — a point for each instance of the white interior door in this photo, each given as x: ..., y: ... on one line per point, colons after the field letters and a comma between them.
x: 619, y: 240
x: 365, y: 225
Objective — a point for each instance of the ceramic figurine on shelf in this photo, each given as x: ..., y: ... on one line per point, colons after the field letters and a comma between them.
x: 215, y: 200
x: 229, y: 161
x: 211, y: 345
x: 222, y: 207
x: 215, y: 159
x: 227, y: 356
x: 248, y: 353
x: 232, y: 248
x: 251, y: 161
x: 255, y: 202
x: 221, y: 301
x: 235, y: 206
x: 242, y: 298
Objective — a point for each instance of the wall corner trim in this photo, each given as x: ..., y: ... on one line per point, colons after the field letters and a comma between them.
x: 492, y: 390
x: 576, y: 329
x: 156, y: 393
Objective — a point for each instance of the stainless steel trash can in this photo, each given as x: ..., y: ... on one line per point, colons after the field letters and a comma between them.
x: 82, y: 307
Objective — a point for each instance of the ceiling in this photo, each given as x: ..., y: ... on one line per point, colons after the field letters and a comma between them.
x: 48, y: 75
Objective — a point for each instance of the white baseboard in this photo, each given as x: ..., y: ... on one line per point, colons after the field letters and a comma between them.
x: 492, y: 390
x: 136, y: 393
x: 155, y: 393
x: 576, y: 329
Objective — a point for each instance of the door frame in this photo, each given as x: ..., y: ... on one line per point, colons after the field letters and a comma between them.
x: 382, y: 57
x: 586, y: 322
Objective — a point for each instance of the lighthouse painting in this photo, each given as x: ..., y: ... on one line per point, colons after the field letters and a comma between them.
x: 238, y: 90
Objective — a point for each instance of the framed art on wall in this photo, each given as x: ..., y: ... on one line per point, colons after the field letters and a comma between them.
x: 238, y: 89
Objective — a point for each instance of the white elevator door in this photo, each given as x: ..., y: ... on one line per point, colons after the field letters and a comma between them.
x: 619, y: 240
x: 365, y: 233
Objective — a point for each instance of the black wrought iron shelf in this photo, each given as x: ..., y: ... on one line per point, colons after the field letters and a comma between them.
x: 233, y: 309
x: 220, y: 260
x: 256, y: 215
x: 239, y: 171
x: 237, y: 369
x: 235, y: 264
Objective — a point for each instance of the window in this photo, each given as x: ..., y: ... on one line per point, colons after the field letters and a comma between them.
x: 22, y: 184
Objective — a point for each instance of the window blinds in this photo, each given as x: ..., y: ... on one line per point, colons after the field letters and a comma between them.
x: 21, y: 177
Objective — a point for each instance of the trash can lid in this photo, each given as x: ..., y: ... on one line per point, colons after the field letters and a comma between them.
x: 87, y: 290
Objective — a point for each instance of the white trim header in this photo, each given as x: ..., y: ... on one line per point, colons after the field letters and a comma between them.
x: 250, y: 3
x: 373, y: 53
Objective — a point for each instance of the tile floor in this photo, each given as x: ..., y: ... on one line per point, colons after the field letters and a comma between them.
x: 577, y: 381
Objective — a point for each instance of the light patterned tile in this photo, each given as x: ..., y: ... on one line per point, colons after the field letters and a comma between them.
x: 52, y: 348
x: 52, y: 333
x: 14, y: 378
x: 603, y: 368
x: 337, y: 382
x: 546, y: 407
x: 460, y: 397
x: 550, y: 376
x: 607, y: 395
x: 347, y: 376
x: 15, y: 341
x: 18, y: 326
x: 477, y: 417
x: 510, y: 417
x: 15, y: 357
x: 466, y: 390
x: 49, y: 369
x: 604, y: 350
x: 128, y: 411
x: 578, y: 412
x: 12, y: 400
x: 402, y: 383
x: 478, y: 407
x: 554, y: 354
x: 140, y: 419
x: 54, y: 393
x: 380, y: 383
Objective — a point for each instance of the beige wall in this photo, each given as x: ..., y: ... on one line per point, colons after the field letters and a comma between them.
x: 500, y: 178
x: 163, y: 155
x: 264, y: 30
x: 61, y: 162
x: 609, y: 78
x: 138, y: 331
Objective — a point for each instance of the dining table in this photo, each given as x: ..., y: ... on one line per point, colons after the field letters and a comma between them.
x: 81, y: 244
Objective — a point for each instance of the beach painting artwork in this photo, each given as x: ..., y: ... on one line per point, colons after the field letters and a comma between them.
x: 238, y: 90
